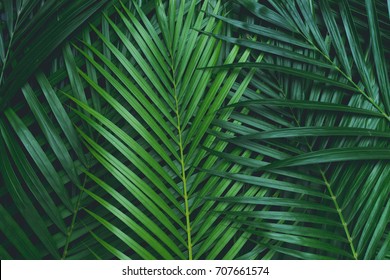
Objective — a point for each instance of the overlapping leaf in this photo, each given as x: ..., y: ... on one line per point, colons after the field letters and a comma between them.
x: 151, y: 146
x: 311, y: 106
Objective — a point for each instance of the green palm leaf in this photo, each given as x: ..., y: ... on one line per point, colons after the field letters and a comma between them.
x: 42, y: 155
x: 29, y: 36
x: 162, y: 109
x: 194, y: 130
x: 308, y: 72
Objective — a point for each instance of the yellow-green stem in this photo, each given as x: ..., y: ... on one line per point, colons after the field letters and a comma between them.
x: 385, y: 115
x: 183, y: 172
x: 333, y: 197
x: 184, y: 179
x: 339, y: 211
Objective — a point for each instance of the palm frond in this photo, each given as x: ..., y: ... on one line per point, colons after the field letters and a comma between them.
x: 42, y: 155
x: 151, y: 147
x: 329, y: 161
x: 194, y: 130
x: 29, y: 36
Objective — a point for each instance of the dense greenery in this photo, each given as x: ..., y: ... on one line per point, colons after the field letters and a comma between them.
x: 194, y: 129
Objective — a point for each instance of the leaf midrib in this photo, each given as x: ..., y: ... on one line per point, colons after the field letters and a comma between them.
x: 332, y: 196
x: 183, y: 176
x: 349, y: 78
x: 182, y: 160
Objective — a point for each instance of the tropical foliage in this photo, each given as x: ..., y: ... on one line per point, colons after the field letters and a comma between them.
x: 194, y: 129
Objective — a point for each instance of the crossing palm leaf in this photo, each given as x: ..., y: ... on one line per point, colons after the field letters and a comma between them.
x: 41, y: 153
x: 317, y: 117
x: 151, y: 147
x: 195, y: 130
